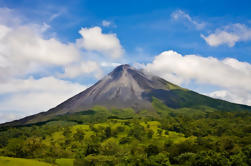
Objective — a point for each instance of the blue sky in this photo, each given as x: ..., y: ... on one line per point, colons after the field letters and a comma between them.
x: 143, y: 23
x: 201, y: 45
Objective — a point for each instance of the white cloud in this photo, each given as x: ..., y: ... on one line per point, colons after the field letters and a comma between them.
x: 23, y: 49
x: 179, y: 14
x: 22, y: 42
x: 83, y: 68
x: 228, y: 73
x: 110, y: 64
x: 106, y: 23
x: 31, y: 85
x: 94, y: 40
x: 228, y: 35
x: 6, y: 117
x: 236, y: 96
x: 25, y: 97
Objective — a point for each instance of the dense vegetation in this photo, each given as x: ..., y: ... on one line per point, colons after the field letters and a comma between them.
x: 187, y: 136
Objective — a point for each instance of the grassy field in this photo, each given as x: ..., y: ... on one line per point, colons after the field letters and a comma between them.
x: 64, y: 162
x: 9, y: 161
x: 154, y: 126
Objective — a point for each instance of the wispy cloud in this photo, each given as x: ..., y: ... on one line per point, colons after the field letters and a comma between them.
x: 9, y: 17
x: 179, y: 15
x: 54, y: 16
x: 56, y: 12
x: 228, y: 35
x: 106, y: 23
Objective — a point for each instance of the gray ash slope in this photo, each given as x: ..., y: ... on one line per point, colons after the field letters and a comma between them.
x: 127, y: 87
x: 122, y: 88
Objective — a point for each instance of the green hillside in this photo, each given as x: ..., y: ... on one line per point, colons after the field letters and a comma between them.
x: 181, y: 98
x: 166, y: 136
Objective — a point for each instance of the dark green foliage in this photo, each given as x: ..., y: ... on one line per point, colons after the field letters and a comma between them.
x: 79, y: 135
x: 108, y: 132
x: 150, y: 134
x: 124, y: 140
x: 210, y: 158
x: 247, y: 154
x: 187, y: 136
x: 67, y: 132
x: 93, y: 160
x: 15, y: 147
x: 92, y: 149
x: 161, y: 159
x: 137, y: 131
x: 151, y: 150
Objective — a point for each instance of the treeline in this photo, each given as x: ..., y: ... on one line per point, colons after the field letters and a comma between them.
x: 122, y: 137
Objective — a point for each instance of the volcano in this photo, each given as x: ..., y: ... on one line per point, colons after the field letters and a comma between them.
x: 127, y: 87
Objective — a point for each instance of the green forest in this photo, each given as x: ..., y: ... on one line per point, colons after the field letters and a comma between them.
x: 187, y: 136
